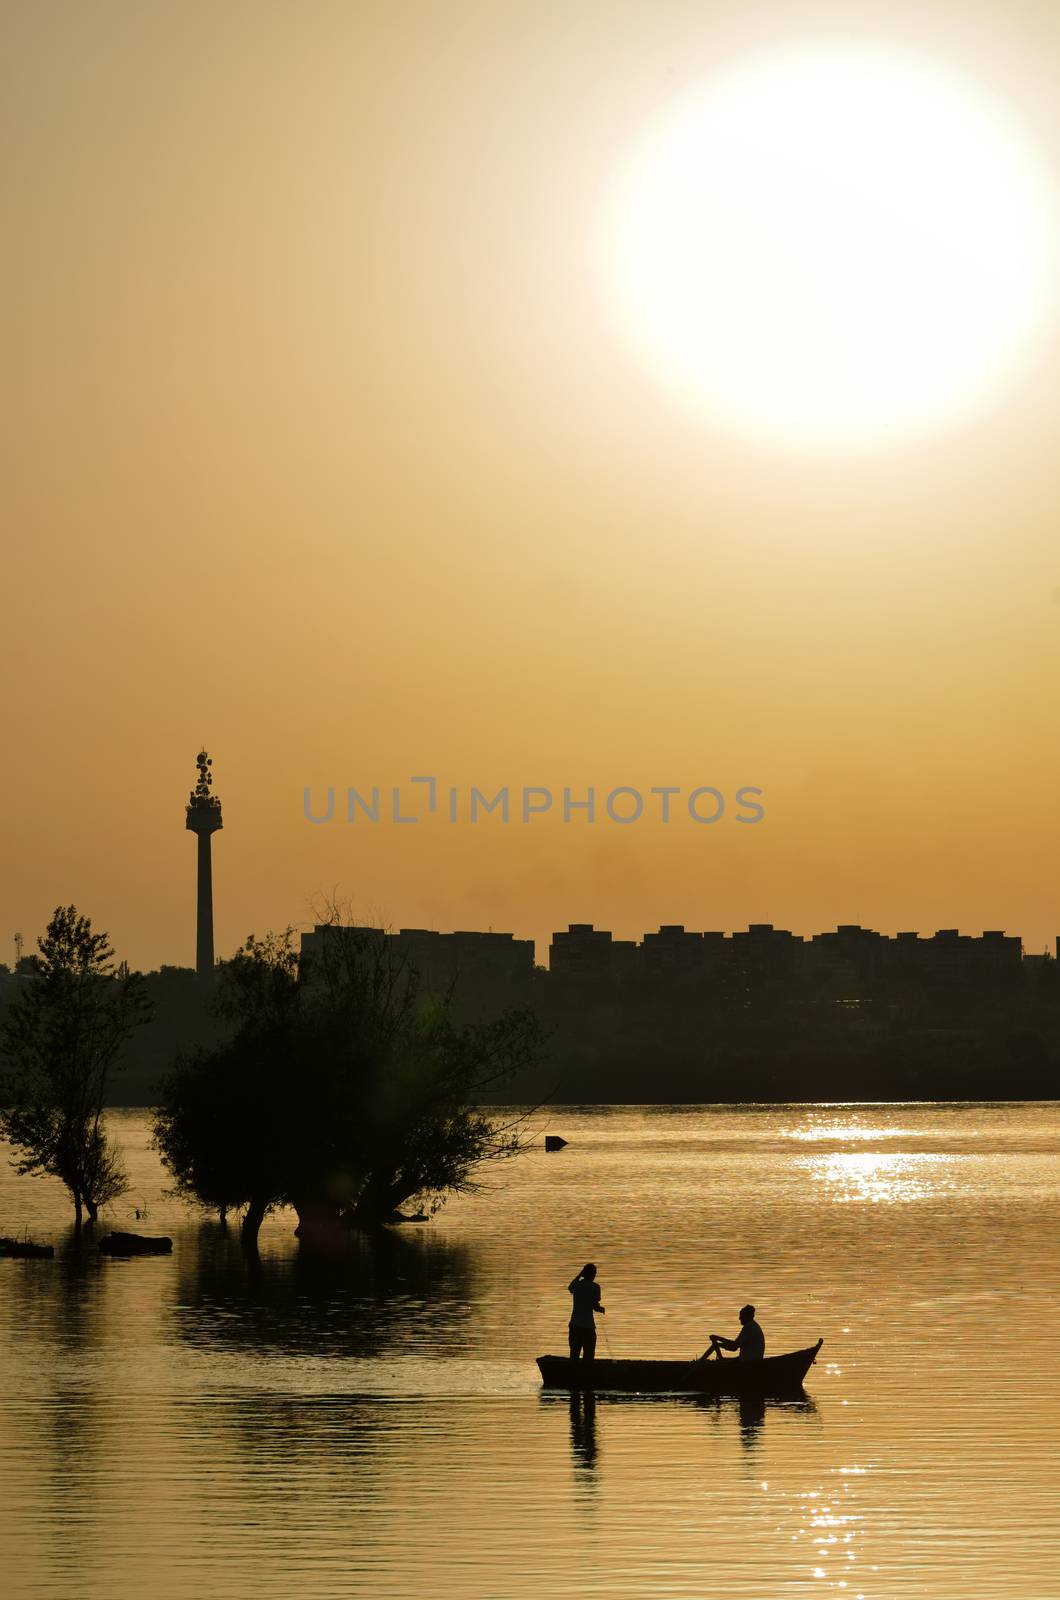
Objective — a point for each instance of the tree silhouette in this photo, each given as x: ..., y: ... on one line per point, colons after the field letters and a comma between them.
x: 342, y: 1090
x: 60, y: 1040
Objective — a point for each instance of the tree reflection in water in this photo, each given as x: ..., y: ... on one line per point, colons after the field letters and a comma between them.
x: 60, y: 1309
x: 391, y: 1293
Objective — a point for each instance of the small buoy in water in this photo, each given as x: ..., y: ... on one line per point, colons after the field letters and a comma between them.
x: 554, y: 1142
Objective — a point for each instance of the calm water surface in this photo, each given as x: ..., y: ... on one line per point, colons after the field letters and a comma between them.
x: 182, y: 1426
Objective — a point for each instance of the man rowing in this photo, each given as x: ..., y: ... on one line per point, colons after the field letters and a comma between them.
x: 581, y: 1330
x: 750, y: 1342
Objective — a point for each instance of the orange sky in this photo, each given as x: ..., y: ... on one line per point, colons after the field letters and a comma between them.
x: 321, y: 448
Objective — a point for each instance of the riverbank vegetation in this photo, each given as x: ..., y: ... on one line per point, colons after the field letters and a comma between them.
x: 59, y: 1044
x: 341, y: 1088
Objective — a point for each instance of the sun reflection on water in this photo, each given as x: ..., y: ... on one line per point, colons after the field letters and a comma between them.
x: 828, y: 1527
x: 831, y: 1530
x: 815, y: 1132
x: 882, y: 1178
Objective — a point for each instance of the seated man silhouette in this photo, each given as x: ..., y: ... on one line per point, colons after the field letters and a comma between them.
x: 750, y: 1341
x: 582, y: 1329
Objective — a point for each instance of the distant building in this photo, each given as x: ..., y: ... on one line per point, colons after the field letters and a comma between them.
x: 766, y: 953
x: 858, y: 955
x: 498, y: 961
x: 845, y: 963
x: 489, y: 966
x: 951, y: 954
x: 1001, y: 950
x: 586, y: 954
x: 847, y: 960
x: 672, y: 954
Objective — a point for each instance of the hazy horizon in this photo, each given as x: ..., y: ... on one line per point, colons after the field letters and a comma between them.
x: 324, y: 450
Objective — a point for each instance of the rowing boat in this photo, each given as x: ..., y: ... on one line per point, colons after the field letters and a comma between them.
x: 775, y: 1375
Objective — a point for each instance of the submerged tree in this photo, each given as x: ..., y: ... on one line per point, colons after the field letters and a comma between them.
x: 222, y: 1127
x: 343, y: 1090
x: 60, y: 1042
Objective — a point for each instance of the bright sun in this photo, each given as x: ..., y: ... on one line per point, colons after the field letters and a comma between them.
x: 834, y: 247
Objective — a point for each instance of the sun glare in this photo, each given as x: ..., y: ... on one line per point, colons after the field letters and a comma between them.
x: 834, y: 247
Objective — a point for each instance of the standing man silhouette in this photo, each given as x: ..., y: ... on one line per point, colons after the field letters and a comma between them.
x: 581, y: 1330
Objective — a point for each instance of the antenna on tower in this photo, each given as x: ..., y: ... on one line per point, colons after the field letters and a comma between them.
x: 18, y: 950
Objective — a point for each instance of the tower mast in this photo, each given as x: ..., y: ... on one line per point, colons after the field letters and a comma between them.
x: 203, y: 817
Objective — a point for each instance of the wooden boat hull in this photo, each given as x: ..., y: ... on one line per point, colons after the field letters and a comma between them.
x: 776, y: 1375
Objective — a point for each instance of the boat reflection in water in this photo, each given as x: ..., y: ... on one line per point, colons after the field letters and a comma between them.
x: 583, y: 1430
x: 751, y: 1411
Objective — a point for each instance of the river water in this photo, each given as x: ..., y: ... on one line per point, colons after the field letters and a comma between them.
x: 183, y: 1426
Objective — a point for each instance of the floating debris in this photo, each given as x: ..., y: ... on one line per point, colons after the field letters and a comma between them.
x: 26, y: 1250
x: 134, y: 1244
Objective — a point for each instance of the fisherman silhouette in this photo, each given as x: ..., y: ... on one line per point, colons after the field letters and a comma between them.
x: 581, y: 1330
x: 750, y: 1342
